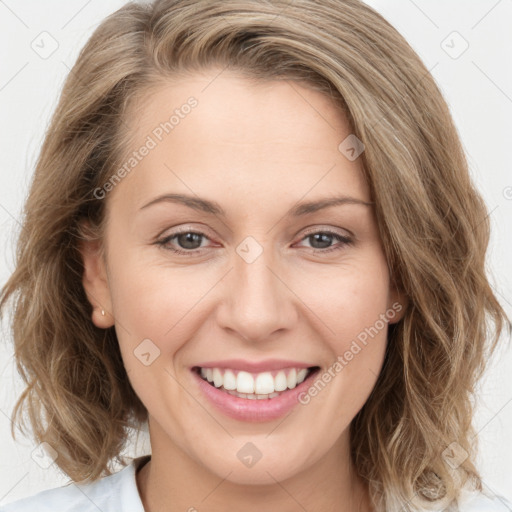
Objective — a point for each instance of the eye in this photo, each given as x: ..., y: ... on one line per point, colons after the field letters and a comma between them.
x: 189, y: 241
x: 321, y: 240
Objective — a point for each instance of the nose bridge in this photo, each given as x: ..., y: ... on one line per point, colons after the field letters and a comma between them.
x: 259, y: 303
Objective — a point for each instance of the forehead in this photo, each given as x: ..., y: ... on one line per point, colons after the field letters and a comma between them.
x: 223, y: 133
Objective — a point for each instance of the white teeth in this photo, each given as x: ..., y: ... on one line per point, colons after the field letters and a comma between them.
x: 259, y: 386
x: 229, y: 380
x: 244, y: 382
x: 292, y: 378
x: 301, y: 375
x: 252, y: 396
x: 217, y: 378
x: 264, y: 384
x: 281, y: 383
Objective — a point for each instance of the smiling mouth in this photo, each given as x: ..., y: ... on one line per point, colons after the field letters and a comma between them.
x: 255, y: 386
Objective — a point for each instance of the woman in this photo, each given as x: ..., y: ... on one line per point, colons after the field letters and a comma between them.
x: 252, y: 226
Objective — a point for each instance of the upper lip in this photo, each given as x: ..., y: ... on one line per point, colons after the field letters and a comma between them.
x: 254, y: 367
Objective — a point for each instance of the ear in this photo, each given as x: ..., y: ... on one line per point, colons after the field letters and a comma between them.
x: 397, y: 304
x: 95, y: 281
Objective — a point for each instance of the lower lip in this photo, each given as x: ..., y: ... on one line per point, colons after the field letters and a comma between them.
x: 245, y: 409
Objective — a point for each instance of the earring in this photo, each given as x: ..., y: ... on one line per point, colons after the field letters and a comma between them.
x: 102, y: 312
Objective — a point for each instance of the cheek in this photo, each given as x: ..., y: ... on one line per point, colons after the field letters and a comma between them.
x: 157, y: 303
x: 353, y: 311
x: 351, y: 298
x: 152, y: 299
x: 151, y: 305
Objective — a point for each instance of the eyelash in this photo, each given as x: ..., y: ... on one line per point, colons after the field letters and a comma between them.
x: 164, y: 243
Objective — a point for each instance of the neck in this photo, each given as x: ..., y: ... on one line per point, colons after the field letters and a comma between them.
x: 174, y: 481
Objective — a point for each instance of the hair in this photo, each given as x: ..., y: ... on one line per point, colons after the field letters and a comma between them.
x: 432, y: 222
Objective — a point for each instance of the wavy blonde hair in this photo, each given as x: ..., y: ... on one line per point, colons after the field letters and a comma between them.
x: 432, y: 222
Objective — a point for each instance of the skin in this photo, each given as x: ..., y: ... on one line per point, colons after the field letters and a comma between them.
x: 256, y: 149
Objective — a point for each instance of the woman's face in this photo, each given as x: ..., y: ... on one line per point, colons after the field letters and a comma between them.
x: 263, y: 285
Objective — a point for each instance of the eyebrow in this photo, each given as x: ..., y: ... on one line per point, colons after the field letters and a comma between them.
x: 212, y: 207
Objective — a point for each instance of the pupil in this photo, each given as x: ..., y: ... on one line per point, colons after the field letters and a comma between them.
x: 188, y: 238
x: 326, y: 238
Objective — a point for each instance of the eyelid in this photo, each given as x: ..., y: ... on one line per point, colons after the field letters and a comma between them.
x: 329, y: 229
x: 203, y: 230
x: 343, y: 239
x: 163, y: 239
x: 184, y: 228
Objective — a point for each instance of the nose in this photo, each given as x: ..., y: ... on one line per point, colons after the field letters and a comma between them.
x: 257, y: 299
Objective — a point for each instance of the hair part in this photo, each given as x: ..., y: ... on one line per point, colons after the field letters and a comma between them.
x: 432, y: 222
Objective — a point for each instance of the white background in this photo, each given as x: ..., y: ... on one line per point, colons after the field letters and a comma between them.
x: 477, y: 85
